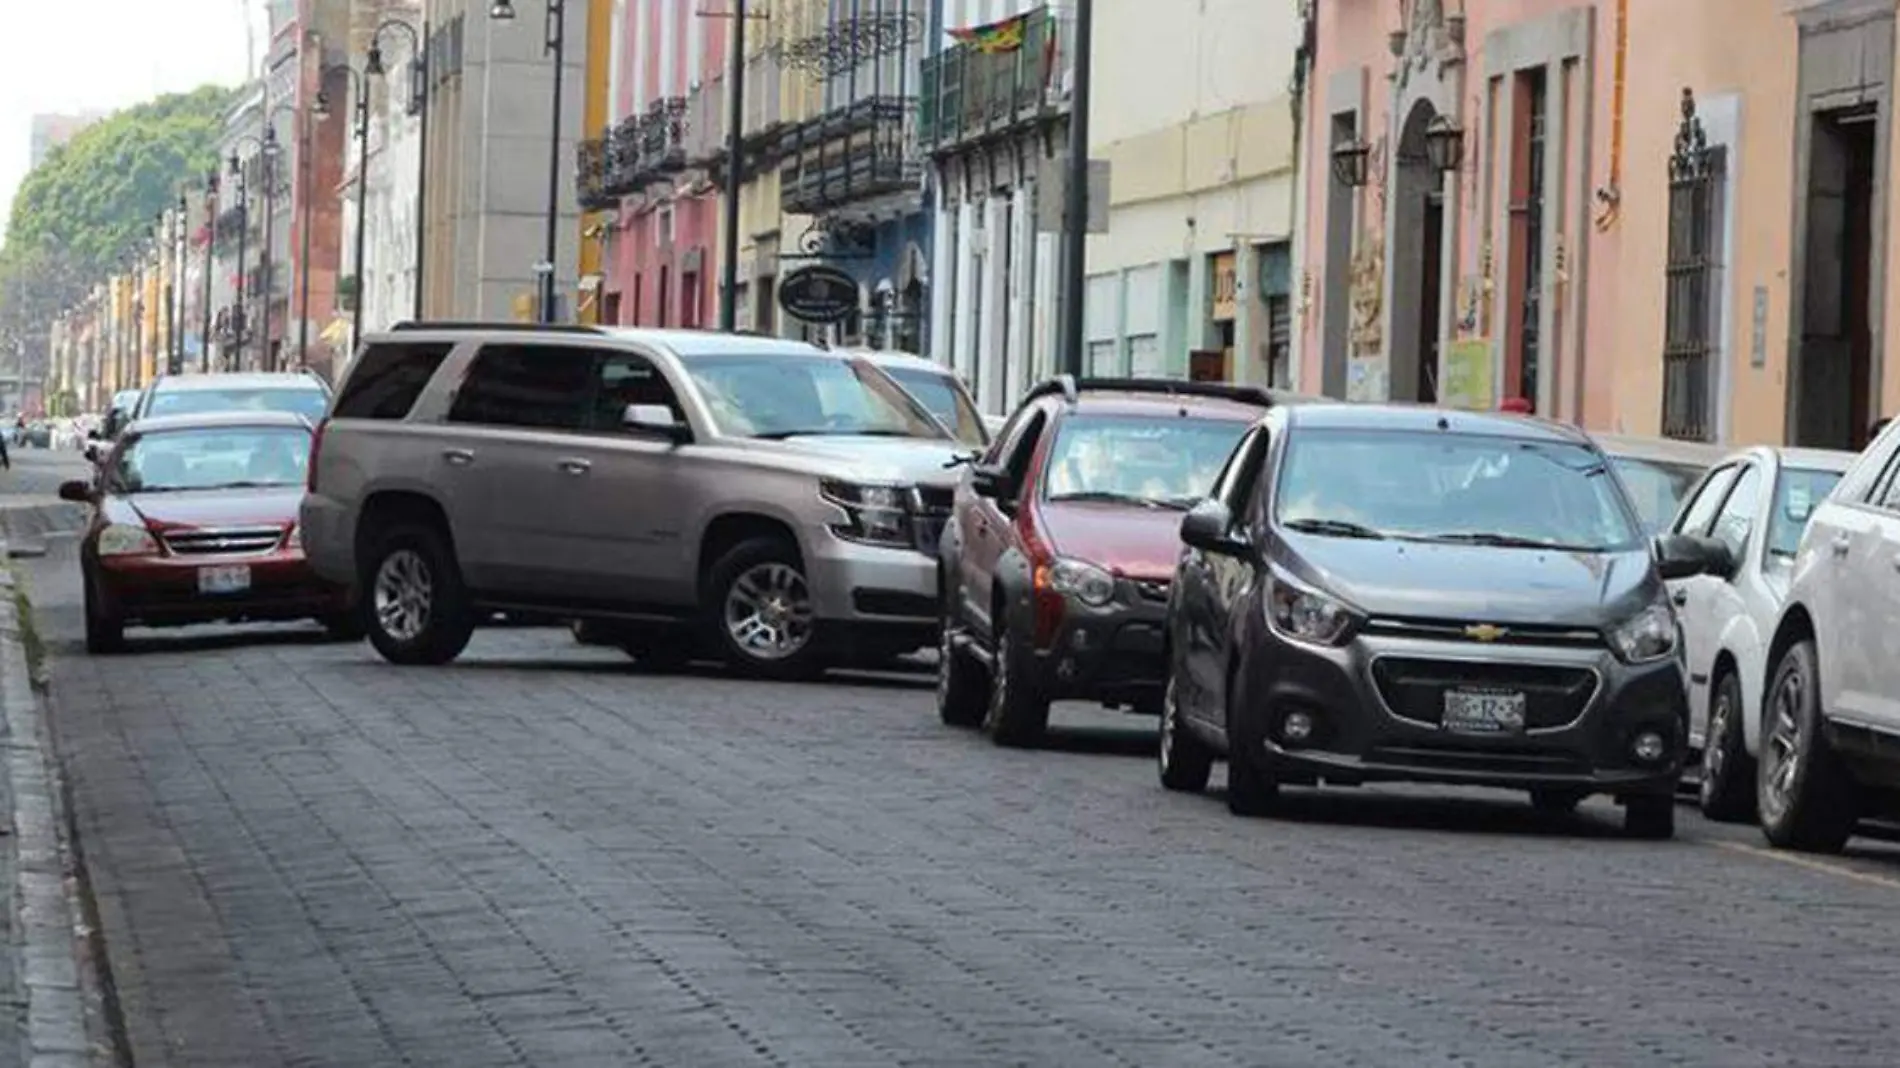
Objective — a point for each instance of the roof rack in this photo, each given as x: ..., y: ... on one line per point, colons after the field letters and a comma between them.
x: 500, y: 327
x: 1071, y: 388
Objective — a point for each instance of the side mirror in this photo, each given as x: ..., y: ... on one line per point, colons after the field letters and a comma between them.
x: 656, y: 419
x: 76, y: 489
x: 992, y: 482
x: 1681, y: 556
x: 1209, y: 527
x: 95, y: 435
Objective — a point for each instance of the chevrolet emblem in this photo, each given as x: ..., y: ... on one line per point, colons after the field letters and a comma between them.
x: 1485, y: 632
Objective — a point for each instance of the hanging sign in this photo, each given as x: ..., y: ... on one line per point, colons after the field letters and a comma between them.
x: 818, y: 293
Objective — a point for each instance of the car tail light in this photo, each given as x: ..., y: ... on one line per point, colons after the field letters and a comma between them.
x: 1046, y: 602
x: 316, y: 448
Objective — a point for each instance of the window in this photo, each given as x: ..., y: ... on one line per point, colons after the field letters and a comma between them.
x: 1701, y: 511
x: 387, y: 380
x: 786, y: 394
x: 309, y: 401
x: 1655, y: 487
x: 940, y: 393
x: 546, y: 387
x: 1692, y: 295
x: 1023, y: 449
x: 1737, y: 518
x: 1796, y: 496
x: 1241, y: 476
x: 204, y: 459
x: 1164, y: 460
x: 628, y: 378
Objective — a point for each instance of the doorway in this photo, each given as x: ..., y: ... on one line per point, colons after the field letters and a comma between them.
x: 1834, y: 372
x: 1417, y: 262
x: 1429, y: 288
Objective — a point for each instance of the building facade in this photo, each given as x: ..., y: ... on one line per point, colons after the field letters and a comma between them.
x: 387, y: 275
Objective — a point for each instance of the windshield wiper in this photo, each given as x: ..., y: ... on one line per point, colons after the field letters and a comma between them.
x: 834, y: 432
x: 1106, y: 497
x: 1500, y: 541
x: 1334, y: 528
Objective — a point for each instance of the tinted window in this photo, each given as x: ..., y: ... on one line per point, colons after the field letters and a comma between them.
x: 1796, y: 496
x: 628, y: 378
x: 1163, y: 460
x: 209, y: 458
x: 549, y: 388
x: 783, y: 395
x: 1656, y: 488
x: 387, y: 379
x: 308, y: 401
x: 1701, y: 511
x: 1468, y: 488
x: 940, y: 393
x: 1737, y: 518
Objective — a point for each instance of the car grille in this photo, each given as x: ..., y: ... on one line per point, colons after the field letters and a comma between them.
x: 1155, y: 590
x: 930, y: 512
x: 1414, y: 689
x: 223, y: 541
x: 1481, y: 633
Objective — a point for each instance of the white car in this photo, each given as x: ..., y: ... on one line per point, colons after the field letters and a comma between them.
x: 937, y: 388
x: 1756, y: 503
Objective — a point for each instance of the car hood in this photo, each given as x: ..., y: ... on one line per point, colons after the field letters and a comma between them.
x: 216, y: 508
x: 927, y: 461
x: 1467, y: 582
x: 1142, y: 543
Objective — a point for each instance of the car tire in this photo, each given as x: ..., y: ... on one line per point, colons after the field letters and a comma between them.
x: 1556, y: 802
x: 767, y: 568
x: 963, y: 690
x: 105, y: 632
x: 1651, y: 816
x: 1727, y: 789
x: 589, y: 632
x: 343, y: 626
x: 1018, y: 714
x: 1805, y: 798
x: 1184, y: 761
x: 411, y: 576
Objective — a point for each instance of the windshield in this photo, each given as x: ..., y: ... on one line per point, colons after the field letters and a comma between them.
x: 1655, y: 487
x: 1434, y: 486
x: 220, y: 458
x: 1161, y: 461
x: 777, y: 395
x: 939, y: 393
x: 1796, y: 495
x: 307, y: 402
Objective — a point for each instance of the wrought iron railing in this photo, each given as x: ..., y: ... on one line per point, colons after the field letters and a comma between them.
x: 968, y: 94
x: 849, y: 155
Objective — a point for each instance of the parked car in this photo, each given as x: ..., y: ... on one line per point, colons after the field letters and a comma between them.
x: 1377, y: 593
x: 760, y: 499
x: 1061, y: 543
x: 1658, y: 472
x: 1756, y: 503
x: 118, y: 414
x: 38, y: 435
x: 938, y: 389
x: 298, y: 392
x: 1830, y: 712
x: 194, y: 521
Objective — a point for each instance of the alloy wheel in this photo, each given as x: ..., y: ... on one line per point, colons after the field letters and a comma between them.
x: 1165, y: 752
x: 768, y: 611
x: 1784, y: 747
x: 404, y: 593
x: 1714, y: 749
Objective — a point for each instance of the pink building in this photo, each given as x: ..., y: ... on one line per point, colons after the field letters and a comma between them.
x: 1590, y: 206
x: 661, y: 255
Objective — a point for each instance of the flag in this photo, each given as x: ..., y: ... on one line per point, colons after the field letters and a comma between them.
x: 1004, y: 36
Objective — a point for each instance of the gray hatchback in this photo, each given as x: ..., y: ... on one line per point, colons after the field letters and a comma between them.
x: 1395, y: 593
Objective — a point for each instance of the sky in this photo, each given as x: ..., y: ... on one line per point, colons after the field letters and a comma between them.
x: 78, y: 55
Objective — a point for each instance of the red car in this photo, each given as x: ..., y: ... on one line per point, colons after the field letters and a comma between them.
x: 195, y: 521
x: 1057, y: 562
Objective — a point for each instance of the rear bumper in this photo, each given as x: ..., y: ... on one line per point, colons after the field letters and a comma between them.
x: 162, y: 591
x: 328, y: 538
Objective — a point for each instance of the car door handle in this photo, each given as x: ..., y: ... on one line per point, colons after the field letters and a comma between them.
x: 573, y: 466
x: 1841, y: 544
x: 1681, y: 597
x: 458, y: 457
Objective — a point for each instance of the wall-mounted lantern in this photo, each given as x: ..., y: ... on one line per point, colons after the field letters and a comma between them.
x: 1444, y: 144
x: 1352, y: 162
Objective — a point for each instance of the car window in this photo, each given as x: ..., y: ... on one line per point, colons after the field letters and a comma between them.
x: 1462, y: 488
x: 1796, y: 495
x: 1023, y: 449
x: 1234, y: 471
x: 629, y: 378
x: 946, y: 400
x: 547, y: 387
x: 1695, y: 518
x: 1736, y: 520
x: 211, y: 458
x: 784, y: 395
x: 308, y: 401
x: 386, y: 379
x: 1158, y: 460
x: 1003, y: 445
x: 1656, y: 488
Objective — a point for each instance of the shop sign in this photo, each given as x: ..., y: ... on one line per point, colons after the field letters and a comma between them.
x: 1226, y: 288
x: 818, y: 293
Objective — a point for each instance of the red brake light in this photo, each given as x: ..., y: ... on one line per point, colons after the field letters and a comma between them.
x: 316, y: 447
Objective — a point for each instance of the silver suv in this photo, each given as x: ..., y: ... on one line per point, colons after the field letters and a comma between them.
x: 760, y: 499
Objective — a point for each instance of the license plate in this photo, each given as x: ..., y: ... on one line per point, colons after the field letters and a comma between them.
x: 235, y: 579
x: 1484, y: 711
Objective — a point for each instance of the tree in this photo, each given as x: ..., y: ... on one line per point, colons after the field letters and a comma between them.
x: 90, y: 204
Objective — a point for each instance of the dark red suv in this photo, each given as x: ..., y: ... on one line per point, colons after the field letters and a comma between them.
x: 1056, y: 562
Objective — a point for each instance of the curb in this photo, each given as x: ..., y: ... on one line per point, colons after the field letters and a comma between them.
x: 63, y: 996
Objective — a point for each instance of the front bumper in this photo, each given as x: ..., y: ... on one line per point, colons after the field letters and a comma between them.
x: 879, y: 596
x: 1377, y: 704
x: 164, y: 590
x: 1114, y: 654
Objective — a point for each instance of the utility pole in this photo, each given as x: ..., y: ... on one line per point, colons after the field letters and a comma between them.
x: 735, y: 140
x: 1075, y: 207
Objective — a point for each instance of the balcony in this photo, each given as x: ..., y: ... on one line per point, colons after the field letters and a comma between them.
x: 850, y: 155
x: 968, y: 96
x: 590, y: 174
x: 638, y: 151
x: 706, y: 126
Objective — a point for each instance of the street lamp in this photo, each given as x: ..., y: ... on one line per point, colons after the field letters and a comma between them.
x: 360, y: 86
x: 180, y: 240
x: 267, y: 153
x: 1444, y: 144
x: 555, y: 45
x: 418, y: 107
x: 168, y: 258
x: 1352, y: 162
x: 211, y: 241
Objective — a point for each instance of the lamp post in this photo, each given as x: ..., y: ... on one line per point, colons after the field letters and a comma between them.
x: 180, y: 243
x: 168, y: 258
x: 266, y: 152
x: 555, y: 45
x: 211, y: 243
x: 735, y: 139
x: 418, y: 107
x: 360, y: 86
x: 1075, y: 206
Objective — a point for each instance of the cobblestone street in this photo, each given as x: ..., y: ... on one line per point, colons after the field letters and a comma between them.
x: 540, y: 856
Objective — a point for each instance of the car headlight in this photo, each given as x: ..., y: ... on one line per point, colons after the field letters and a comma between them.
x: 123, y: 539
x: 294, y: 539
x: 874, y: 514
x: 1083, y: 581
x: 1301, y: 613
x: 1648, y: 635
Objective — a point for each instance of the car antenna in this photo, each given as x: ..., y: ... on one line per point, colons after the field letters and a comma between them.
x: 1444, y: 423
